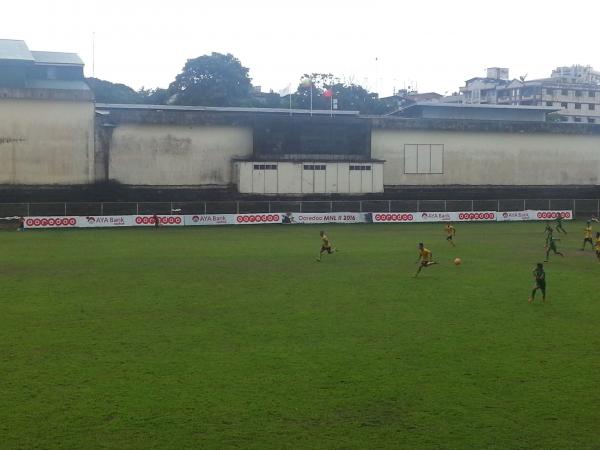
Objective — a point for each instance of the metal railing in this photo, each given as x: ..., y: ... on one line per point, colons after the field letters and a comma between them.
x: 580, y: 207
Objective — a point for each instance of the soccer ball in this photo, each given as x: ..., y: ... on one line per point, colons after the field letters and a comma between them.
x: 457, y: 261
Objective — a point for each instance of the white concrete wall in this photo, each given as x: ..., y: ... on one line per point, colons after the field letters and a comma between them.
x: 45, y: 142
x: 293, y: 178
x: 290, y: 177
x: 477, y: 158
x: 168, y: 155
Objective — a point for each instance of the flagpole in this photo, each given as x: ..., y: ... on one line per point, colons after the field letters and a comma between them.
x: 93, y: 54
x: 311, y: 93
x: 331, y: 99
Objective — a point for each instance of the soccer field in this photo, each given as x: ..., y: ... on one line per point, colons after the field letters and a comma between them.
x: 235, y: 337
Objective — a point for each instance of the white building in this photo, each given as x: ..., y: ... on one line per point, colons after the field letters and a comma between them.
x: 575, y: 90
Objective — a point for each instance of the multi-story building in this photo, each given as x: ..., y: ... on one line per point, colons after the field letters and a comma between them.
x: 575, y: 90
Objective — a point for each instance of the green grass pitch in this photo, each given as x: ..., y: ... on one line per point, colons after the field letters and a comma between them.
x: 235, y: 337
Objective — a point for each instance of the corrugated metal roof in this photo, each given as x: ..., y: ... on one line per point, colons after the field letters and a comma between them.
x: 479, y: 106
x: 66, y: 85
x: 14, y: 50
x: 320, y: 112
x: 57, y: 58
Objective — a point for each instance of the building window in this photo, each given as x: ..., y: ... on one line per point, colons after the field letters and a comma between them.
x: 577, y: 105
x: 550, y: 91
x: 360, y: 167
x: 578, y: 93
x: 548, y: 103
x: 592, y: 107
x: 564, y: 119
x: 564, y: 92
x: 577, y: 119
x: 564, y: 105
x: 591, y: 120
x: 592, y: 94
x: 424, y: 158
x: 265, y: 166
x: 52, y: 73
x: 314, y: 166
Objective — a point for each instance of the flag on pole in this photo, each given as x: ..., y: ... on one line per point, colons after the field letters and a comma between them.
x: 286, y: 90
x: 328, y: 93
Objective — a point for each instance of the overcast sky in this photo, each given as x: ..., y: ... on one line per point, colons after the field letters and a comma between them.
x: 435, y: 45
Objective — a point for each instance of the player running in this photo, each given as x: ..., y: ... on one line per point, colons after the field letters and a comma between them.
x: 598, y: 246
x: 325, y: 246
x: 587, y: 236
x: 551, y: 243
x: 559, y: 227
x: 548, y: 230
x: 540, y: 282
x: 425, y: 258
x: 451, y: 234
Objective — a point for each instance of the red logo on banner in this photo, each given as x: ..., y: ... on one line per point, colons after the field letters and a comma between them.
x: 552, y: 214
x: 168, y: 220
x: 51, y: 222
x: 258, y: 218
x: 394, y: 217
x: 476, y: 216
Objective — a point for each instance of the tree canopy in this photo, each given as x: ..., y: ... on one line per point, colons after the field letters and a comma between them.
x: 212, y: 80
x: 107, y: 92
x: 221, y: 80
x: 326, y: 88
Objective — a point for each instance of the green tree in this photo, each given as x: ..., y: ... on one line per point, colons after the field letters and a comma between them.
x: 212, y: 80
x: 313, y: 84
x: 347, y: 96
x: 107, y: 92
x: 156, y: 96
x: 265, y: 100
x: 354, y: 97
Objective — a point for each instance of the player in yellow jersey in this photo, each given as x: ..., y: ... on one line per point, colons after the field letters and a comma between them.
x: 325, y: 246
x: 587, y: 236
x: 598, y: 246
x: 425, y: 258
x: 451, y: 233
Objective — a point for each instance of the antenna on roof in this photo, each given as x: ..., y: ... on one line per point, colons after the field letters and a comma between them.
x: 93, y: 54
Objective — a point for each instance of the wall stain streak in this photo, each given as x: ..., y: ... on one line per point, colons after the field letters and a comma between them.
x: 7, y: 140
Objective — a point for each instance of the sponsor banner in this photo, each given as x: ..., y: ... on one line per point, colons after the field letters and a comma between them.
x: 551, y: 215
x: 532, y: 215
x: 420, y: 217
x: 148, y: 221
x: 294, y: 218
x: 474, y: 216
x: 512, y: 216
x: 209, y: 219
x: 435, y: 217
x: 105, y: 221
x: 324, y: 218
x: 51, y: 222
x: 255, y: 219
x: 395, y: 217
